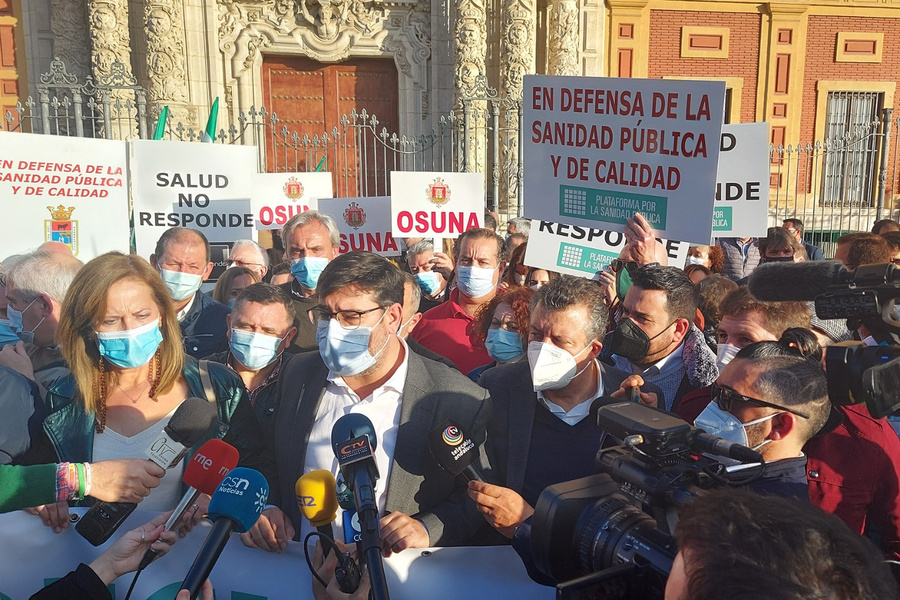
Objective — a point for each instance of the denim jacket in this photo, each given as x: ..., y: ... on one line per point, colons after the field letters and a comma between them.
x: 70, y: 429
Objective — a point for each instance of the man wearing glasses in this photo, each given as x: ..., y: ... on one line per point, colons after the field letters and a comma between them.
x: 250, y: 255
x: 363, y: 366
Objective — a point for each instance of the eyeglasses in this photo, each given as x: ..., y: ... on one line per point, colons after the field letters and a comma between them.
x: 348, y: 319
x: 725, y: 397
x: 241, y: 263
x: 2, y: 279
x: 617, y: 264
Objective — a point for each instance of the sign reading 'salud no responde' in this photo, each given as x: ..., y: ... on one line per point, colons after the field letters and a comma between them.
x: 600, y: 149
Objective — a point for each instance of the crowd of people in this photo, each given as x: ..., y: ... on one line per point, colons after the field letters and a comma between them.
x: 95, y: 358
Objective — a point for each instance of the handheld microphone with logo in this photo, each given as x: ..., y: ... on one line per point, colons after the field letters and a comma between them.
x: 356, y: 458
x: 702, y: 442
x: 350, y: 520
x: 235, y: 507
x: 317, y: 500
x: 203, y: 474
x: 453, y: 451
x: 191, y: 421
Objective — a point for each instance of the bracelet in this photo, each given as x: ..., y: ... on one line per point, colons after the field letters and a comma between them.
x: 87, y: 480
x: 79, y: 494
x: 66, y: 481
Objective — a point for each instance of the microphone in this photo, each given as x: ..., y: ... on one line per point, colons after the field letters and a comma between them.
x: 702, y: 442
x: 235, y: 507
x: 191, y: 421
x: 356, y: 459
x: 203, y: 474
x: 453, y: 451
x: 317, y: 500
x: 796, y: 282
x: 348, y: 505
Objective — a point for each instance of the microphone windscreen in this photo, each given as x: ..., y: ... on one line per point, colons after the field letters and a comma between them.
x: 316, y: 497
x: 794, y: 282
x: 241, y: 497
x: 192, y: 420
x: 450, y: 447
x: 209, y: 465
x: 350, y: 426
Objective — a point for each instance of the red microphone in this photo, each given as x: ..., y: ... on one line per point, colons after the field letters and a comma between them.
x: 203, y: 474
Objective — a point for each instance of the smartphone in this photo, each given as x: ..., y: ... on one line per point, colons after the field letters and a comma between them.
x: 102, y: 520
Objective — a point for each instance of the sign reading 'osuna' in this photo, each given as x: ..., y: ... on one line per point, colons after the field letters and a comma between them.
x: 598, y: 150
x: 426, y: 204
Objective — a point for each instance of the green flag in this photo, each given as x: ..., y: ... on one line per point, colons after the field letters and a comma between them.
x: 320, y: 165
x: 210, y: 134
x: 161, y: 124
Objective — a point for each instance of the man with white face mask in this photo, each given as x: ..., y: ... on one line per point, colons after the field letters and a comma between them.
x: 479, y: 260
x: 543, y: 429
x: 364, y: 367
x: 182, y: 258
x: 260, y: 328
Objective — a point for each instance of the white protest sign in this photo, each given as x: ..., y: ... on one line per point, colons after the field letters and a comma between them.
x: 364, y: 223
x: 742, y: 182
x: 426, y: 204
x: 581, y: 251
x: 63, y: 189
x: 189, y: 184
x: 279, y: 196
x: 598, y: 150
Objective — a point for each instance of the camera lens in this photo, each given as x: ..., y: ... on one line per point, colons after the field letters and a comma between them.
x: 610, y: 532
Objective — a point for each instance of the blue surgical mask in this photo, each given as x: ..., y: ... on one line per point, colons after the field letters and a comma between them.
x: 475, y: 282
x: 346, y: 351
x: 307, y: 270
x: 719, y: 423
x: 231, y: 302
x: 15, y: 321
x: 131, y: 348
x: 429, y: 282
x: 503, y: 346
x: 8, y: 333
x: 254, y: 350
x: 181, y: 286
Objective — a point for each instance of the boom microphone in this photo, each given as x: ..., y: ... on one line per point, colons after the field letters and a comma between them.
x: 191, y: 421
x: 234, y: 507
x: 453, y: 451
x: 203, y: 474
x: 796, y: 282
x: 702, y: 442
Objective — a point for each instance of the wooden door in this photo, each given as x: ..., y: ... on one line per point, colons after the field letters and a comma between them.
x: 311, y: 98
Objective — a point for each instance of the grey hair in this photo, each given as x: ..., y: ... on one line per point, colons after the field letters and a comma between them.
x: 305, y: 218
x: 259, y: 249
x: 567, y: 291
x: 522, y: 224
x: 43, y: 272
x: 420, y: 247
x: 410, y: 280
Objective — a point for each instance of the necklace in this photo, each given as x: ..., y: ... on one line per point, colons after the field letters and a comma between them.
x: 134, y: 400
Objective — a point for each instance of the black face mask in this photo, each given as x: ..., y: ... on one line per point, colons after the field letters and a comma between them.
x: 629, y: 341
x: 779, y: 259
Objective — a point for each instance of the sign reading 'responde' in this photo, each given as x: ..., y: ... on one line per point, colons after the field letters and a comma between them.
x: 279, y: 196
x: 742, y: 188
x: 427, y: 204
x: 364, y: 223
x: 600, y: 149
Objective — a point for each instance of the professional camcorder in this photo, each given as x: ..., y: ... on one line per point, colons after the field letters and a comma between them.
x: 610, y: 535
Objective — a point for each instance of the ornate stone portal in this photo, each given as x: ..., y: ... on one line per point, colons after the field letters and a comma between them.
x: 166, y: 56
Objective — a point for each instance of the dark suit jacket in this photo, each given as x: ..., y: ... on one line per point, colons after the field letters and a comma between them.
x: 513, y: 402
x: 418, y: 486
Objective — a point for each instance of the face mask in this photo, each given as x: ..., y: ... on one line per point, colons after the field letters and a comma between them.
x: 429, y: 282
x: 536, y: 286
x: 629, y: 341
x: 231, y: 302
x: 346, y: 352
x: 15, y: 321
x: 552, y: 368
x: 254, y: 350
x: 7, y: 333
x: 623, y: 284
x: 716, y: 422
x: 402, y: 325
x: 695, y: 260
x: 181, y: 286
x: 503, y: 346
x: 725, y: 353
x: 307, y: 270
x: 779, y: 259
x: 131, y: 348
x: 475, y: 282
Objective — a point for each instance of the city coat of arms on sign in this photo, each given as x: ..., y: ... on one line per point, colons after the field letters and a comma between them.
x: 355, y: 216
x: 438, y: 192
x: 293, y: 189
x: 61, y: 227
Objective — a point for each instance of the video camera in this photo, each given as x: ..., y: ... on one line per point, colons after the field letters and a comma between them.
x: 609, y: 535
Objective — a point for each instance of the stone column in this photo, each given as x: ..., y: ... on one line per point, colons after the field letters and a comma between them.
x: 517, y: 50
x: 166, y: 59
x: 68, y: 22
x: 110, y: 38
x: 563, y: 43
x: 470, y: 48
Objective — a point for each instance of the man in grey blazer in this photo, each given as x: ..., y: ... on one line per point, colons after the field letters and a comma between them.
x: 544, y: 429
x: 364, y: 367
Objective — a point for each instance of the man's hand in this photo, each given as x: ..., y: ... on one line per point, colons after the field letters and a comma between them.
x: 325, y: 570
x: 632, y: 383
x: 641, y: 240
x: 443, y: 264
x: 124, y: 479
x: 272, y: 532
x: 206, y: 592
x: 15, y: 357
x: 126, y: 553
x: 503, y: 508
x: 607, y: 284
x: 53, y: 515
x: 399, y: 532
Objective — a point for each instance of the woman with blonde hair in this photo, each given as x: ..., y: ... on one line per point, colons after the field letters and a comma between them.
x: 129, y: 373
